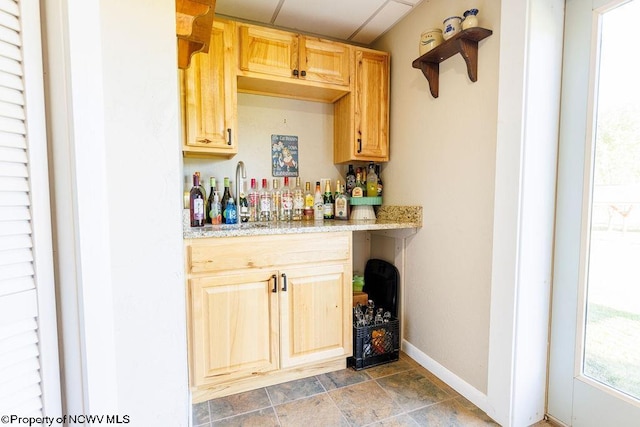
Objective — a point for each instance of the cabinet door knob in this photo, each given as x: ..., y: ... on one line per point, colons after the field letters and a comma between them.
x: 303, y: 73
x: 229, y: 136
x: 295, y: 73
x: 275, y: 283
x: 284, y: 282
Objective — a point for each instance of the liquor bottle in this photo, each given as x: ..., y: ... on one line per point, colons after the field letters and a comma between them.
x: 276, y: 201
x: 212, y: 191
x: 230, y: 212
x: 307, y: 213
x: 265, y: 202
x: 196, y: 203
x: 358, y: 190
x: 225, y: 199
x: 351, y: 180
x: 380, y: 186
x: 286, y: 211
x: 243, y: 204
x: 254, y: 202
x: 318, y: 204
x: 341, y: 203
x: 372, y: 181
x: 327, y: 199
x: 298, y: 201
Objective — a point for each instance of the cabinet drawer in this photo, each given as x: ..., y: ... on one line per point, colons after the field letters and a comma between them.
x: 240, y: 253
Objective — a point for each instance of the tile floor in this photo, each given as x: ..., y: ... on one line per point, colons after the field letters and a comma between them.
x: 397, y: 394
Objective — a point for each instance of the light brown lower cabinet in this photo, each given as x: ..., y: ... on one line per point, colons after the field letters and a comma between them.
x: 267, y: 309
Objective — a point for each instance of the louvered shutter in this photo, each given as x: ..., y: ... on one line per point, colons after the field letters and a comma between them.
x: 22, y: 156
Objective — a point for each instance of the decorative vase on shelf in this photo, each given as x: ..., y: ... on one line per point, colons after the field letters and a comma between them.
x: 470, y: 19
x: 451, y: 27
x: 430, y: 39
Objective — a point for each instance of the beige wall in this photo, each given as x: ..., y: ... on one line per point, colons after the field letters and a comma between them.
x: 443, y: 158
x: 261, y: 116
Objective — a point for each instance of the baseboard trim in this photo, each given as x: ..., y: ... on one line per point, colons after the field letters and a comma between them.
x: 452, y: 380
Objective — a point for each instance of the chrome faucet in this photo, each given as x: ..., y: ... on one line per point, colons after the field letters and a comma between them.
x: 239, y: 185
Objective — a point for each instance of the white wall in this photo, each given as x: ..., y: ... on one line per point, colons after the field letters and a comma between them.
x: 259, y: 117
x: 443, y: 158
x: 144, y: 182
x: 114, y: 132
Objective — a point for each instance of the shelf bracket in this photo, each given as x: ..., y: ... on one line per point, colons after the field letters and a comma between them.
x: 469, y: 51
x: 431, y: 71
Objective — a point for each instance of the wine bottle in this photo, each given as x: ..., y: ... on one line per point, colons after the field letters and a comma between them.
x: 212, y: 191
x: 230, y: 212
x: 265, y: 202
x: 327, y: 199
x: 204, y: 190
x: 351, y: 180
x: 298, y: 201
x: 372, y: 181
x: 225, y: 199
x: 307, y: 213
x: 276, y: 201
x: 196, y: 203
x: 341, y: 203
x: 318, y: 204
x: 286, y: 212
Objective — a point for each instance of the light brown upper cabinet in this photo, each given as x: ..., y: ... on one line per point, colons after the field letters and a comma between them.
x: 209, y: 97
x: 361, y: 124
x: 287, y: 64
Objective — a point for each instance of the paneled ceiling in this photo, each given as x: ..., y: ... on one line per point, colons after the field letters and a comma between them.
x: 358, y: 21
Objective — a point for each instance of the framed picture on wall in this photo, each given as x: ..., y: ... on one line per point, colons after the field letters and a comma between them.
x: 284, y: 155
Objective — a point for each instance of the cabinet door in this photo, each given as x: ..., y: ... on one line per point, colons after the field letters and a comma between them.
x: 324, y: 61
x: 268, y: 51
x: 234, y: 327
x: 315, y: 312
x: 372, y: 105
x: 210, y: 97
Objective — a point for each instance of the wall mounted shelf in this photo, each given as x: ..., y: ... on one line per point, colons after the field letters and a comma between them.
x: 193, y: 28
x: 465, y: 43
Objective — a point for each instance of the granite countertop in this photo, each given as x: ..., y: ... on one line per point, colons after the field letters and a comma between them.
x: 388, y: 218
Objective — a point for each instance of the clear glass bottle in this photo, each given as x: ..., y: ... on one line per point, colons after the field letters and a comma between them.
x: 318, y: 204
x: 276, y: 201
x: 298, y: 201
x: 215, y: 212
x: 307, y: 213
x: 372, y: 181
x: 341, y: 203
x: 358, y: 190
x: 254, y: 202
x: 265, y: 202
x: 196, y: 203
x: 286, y: 211
x: 243, y: 205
